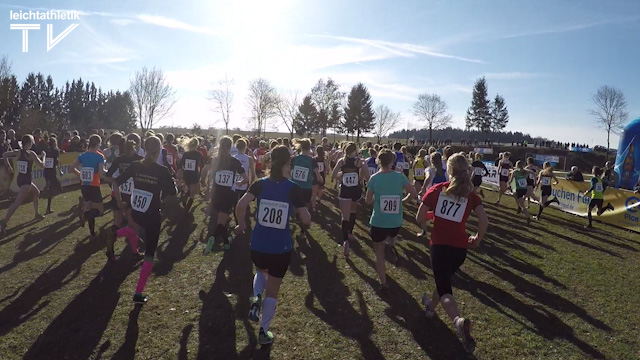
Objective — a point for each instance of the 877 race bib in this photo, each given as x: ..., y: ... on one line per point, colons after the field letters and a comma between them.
x: 450, y: 208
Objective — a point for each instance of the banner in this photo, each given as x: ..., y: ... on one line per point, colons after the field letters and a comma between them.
x: 492, y: 178
x: 37, y: 174
x: 483, y: 150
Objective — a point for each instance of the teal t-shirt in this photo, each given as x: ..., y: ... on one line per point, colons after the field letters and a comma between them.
x: 388, y: 191
x: 302, y: 168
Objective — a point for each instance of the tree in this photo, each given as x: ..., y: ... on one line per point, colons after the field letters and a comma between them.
x: 222, y: 98
x: 433, y: 110
x: 153, y: 97
x: 306, y: 121
x: 479, y: 114
x: 610, y: 111
x: 499, y: 114
x: 5, y: 67
x: 358, y: 114
x: 287, y: 108
x: 197, y: 129
x: 325, y: 95
x: 262, y: 101
x: 385, y: 121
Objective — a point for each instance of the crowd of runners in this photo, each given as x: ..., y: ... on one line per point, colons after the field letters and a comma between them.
x: 151, y: 173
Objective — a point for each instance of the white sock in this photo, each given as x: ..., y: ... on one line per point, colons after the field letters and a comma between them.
x: 268, y: 311
x: 259, y: 282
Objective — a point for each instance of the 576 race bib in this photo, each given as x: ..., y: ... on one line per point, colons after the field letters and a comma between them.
x: 300, y: 173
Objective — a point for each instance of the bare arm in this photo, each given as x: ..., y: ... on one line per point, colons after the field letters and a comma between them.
x: 336, y: 169
x: 411, y: 192
x: 369, y: 198
x: 241, y: 210
x: 304, y: 215
x: 483, y: 224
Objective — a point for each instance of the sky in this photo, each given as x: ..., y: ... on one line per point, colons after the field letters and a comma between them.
x: 546, y: 57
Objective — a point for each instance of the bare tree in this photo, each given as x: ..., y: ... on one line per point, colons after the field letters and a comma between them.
x: 262, y: 101
x: 287, y: 108
x: 433, y: 110
x: 385, y: 121
x: 610, y: 111
x: 152, y: 96
x: 5, y: 67
x: 222, y: 98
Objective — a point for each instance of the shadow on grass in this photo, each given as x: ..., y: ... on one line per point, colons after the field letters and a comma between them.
x: 128, y: 348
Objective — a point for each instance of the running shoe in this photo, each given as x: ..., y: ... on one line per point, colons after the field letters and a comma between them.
x: 254, y: 311
x: 588, y: 226
x: 139, y: 299
x: 38, y: 217
x: 345, y: 249
x: 555, y: 200
x: 209, y: 247
x: 463, y: 327
x: 383, y: 288
x: 609, y: 207
x: 81, y: 210
x: 427, y: 306
x: 265, y: 338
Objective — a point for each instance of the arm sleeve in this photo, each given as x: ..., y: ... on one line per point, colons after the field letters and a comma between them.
x: 113, y: 167
x: 295, y: 195
x: 122, y: 178
x: 256, y: 188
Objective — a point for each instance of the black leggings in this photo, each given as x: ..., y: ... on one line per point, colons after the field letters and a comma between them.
x: 149, y: 230
x: 445, y: 261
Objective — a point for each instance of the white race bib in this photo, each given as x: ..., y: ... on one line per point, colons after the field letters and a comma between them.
x: 372, y: 170
x: 478, y: 171
x: 224, y: 178
x: 390, y: 204
x: 22, y: 167
x: 86, y: 174
x: 450, y: 208
x: 532, y: 176
x: 170, y: 159
x: 418, y: 172
x: 406, y: 166
x: 350, y: 179
x: 48, y: 163
x: 238, y: 178
x: 522, y: 183
x: 190, y: 165
x: 546, y: 181
x: 598, y: 187
x: 504, y: 172
x: 127, y: 187
x: 300, y: 173
x: 140, y: 200
x: 273, y: 214
x: 321, y: 166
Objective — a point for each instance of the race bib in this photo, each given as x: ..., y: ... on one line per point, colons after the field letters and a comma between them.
x: 48, y: 163
x: 238, y: 178
x: 321, y: 166
x: 86, y: 174
x: 127, y: 187
x: 224, y: 178
x: 504, y: 172
x: 450, y: 208
x: 22, y: 167
x: 273, y: 214
x: 406, y: 166
x: 546, y: 181
x: 140, y: 200
x: 372, y: 170
x: 300, y: 173
x: 418, y: 172
x: 170, y: 159
x: 190, y: 165
x: 532, y: 176
x: 478, y: 171
x: 522, y: 183
x: 598, y: 187
x: 350, y: 179
x: 260, y: 157
x: 390, y: 204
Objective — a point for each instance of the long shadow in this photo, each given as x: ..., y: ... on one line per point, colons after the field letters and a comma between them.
x: 581, y: 243
x: 128, y: 348
x: 596, y: 235
x: 173, y: 249
x: 76, y: 332
x: 325, y: 281
x: 184, y: 340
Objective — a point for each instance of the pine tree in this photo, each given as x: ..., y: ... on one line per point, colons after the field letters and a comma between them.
x: 307, y: 118
x: 358, y: 114
x: 479, y: 114
x: 499, y: 114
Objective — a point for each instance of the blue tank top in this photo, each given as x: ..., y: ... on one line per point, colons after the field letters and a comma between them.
x: 439, y: 179
x: 399, y: 158
x: 372, y: 163
x: 271, y: 233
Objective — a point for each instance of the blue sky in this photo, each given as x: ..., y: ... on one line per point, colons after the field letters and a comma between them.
x: 545, y: 57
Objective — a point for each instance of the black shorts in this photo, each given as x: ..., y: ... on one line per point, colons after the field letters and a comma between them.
x: 353, y: 193
x: 53, y: 183
x: 276, y: 264
x: 306, y: 195
x: 316, y: 182
x: 596, y: 202
x: 530, y: 182
x: 520, y: 193
x: 477, y: 180
x: 91, y: 194
x: 23, y: 180
x: 240, y: 193
x: 445, y: 261
x: 150, y: 224
x: 379, y: 234
x: 225, y: 201
x: 406, y: 172
x: 504, y: 178
x: 546, y: 190
x: 190, y: 177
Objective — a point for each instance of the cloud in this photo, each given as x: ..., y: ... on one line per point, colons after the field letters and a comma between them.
x: 173, y: 24
x: 570, y: 28
x: 512, y: 75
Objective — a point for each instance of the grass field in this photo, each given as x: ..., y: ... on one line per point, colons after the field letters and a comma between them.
x: 554, y: 291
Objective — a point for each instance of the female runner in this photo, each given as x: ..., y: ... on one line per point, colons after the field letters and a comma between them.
x: 544, y: 181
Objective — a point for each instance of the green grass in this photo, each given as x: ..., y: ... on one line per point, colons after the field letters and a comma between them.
x: 554, y: 291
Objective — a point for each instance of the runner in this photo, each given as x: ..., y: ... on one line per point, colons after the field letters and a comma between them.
x: 419, y: 167
x: 408, y: 159
x: 304, y: 169
x: 271, y: 241
x: 24, y: 162
x: 544, y: 181
x: 318, y: 184
x: 348, y: 172
x: 385, y: 191
x: 533, y: 170
x: 151, y: 184
x: 597, y: 189
x: 452, y: 203
x: 248, y: 166
x: 172, y: 152
x: 92, y: 166
x: 372, y: 163
x: 259, y: 155
x: 435, y: 175
x: 479, y: 170
x: 503, y: 171
x: 51, y: 171
x: 223, y: 197
x: 520, y: 175
x: 189, y: 171
x: 398, y: 165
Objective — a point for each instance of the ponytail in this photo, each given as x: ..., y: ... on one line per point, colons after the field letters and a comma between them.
x: 460, y: 185
x: 152, y: 147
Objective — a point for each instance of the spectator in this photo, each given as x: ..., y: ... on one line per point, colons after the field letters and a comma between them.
x: 64, y: 145
x: 75, y: 144
x: 610, y: 176
x: 575, y: 175
x: 11, y: 139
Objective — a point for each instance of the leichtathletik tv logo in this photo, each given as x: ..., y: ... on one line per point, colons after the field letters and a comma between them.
x: 32, y: 21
